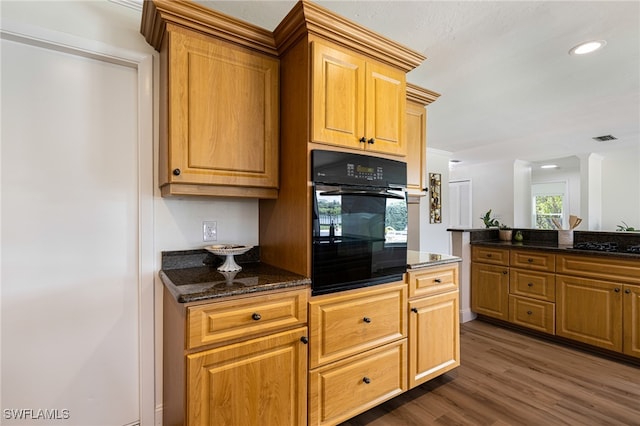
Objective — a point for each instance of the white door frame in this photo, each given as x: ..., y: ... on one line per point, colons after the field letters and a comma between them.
x: 143, y: 63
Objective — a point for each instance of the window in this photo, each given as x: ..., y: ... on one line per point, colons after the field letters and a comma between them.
x: 549, y: 202
x: 547, y: 208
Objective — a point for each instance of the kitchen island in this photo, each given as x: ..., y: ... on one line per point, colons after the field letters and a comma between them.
x: 586, y: 294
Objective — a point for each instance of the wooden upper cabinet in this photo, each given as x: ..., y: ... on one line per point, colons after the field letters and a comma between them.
x: 219, y: 102
x: 416, y: 136
x: 356, y: 103
x: 222, y: 116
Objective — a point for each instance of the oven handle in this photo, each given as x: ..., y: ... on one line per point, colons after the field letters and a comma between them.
x: 364, y: 192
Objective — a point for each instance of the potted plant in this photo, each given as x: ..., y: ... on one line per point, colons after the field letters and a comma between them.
x: 626, y: 228
x: 504, y: 232
x: 489, y: 222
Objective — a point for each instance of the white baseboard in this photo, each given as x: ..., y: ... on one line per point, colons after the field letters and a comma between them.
x: 466, y: 315
x: 159, y: 409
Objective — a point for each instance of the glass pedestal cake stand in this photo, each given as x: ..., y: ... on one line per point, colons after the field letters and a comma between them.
x: 228, y: 250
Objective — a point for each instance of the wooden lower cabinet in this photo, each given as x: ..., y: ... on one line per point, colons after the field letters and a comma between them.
x: 343, y: 389
x: 357, y: 351
x: 490, y: 290
x: 257, y: 382
x: 240, y: 360
x: 631, y: 320
x: 434, y: 337
x: 589, y: 311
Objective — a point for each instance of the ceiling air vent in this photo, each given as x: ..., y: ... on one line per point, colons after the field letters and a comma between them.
x: 605, y: 138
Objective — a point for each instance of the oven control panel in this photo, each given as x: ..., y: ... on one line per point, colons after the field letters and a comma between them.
x: 342, y: 168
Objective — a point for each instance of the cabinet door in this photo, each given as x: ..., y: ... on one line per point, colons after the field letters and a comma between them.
x: 385, y: 110
x: 490, y: 290
x: 338, y: 99
x: 589, y: 311
x: 222, y: 114
x: 434, y: 337
x: 416, y: 123
x: 257, y: 382
x: 631, y: 320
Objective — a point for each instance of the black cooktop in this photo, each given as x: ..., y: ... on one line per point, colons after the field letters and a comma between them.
x: 608, y: 246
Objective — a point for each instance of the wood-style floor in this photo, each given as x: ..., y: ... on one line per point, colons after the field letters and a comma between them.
x: 508, y: 378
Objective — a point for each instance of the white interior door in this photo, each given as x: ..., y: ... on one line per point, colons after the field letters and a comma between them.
x: 70, y: 238
x: 460, y: 201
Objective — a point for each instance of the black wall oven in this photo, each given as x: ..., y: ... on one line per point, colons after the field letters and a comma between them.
x: 359, y: 221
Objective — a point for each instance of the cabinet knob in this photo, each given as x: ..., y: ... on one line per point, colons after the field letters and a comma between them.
x: 530, y: 285
x: 366, y: 380
x: 256, y: 316
x: 617, y: 290
x: 176, y: 172
x: 488, y: 254
x: 530, y: 260
x: 366, y: 319
x: 627, y: 291
x: 529, y: 313
x: 304, y: 339
x: 371, y: 141
x: 363, y: 139
x: 415, y: 310
x: 505, y: 272
x: 438, y: 280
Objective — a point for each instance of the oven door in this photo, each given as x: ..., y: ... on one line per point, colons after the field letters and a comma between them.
x: 359, y: 237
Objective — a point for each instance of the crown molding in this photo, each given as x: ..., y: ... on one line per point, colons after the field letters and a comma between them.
x: 156, y: 14
x: 309, y: 18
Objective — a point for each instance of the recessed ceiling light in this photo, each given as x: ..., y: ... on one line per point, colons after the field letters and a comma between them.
x: 587, y: 47
x: 549, y: 166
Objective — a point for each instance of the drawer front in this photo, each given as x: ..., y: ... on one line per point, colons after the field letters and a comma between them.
x: 534, y: 260
x: 433, y: 280
x: 246, y: 317
x: 538, y: 285
x: 607, y: 268
x: 533, y: 314
x: 349, y: 322
x: 349, y: 387
x: 494, y: 256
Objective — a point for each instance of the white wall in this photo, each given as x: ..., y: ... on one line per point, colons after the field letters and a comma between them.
x: 176, y: 223
x: 492, y: 189
x: 434, y: 237
x: 621, y: 189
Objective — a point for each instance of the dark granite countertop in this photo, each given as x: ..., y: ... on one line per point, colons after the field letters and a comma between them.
x: 421, y: 259
x: 555, y: 247
x: 192, y: 276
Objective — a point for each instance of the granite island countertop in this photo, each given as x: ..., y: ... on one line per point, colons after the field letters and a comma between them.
x: 554, y: 247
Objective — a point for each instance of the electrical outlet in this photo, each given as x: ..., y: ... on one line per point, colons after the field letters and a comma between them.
x: 209, y: 231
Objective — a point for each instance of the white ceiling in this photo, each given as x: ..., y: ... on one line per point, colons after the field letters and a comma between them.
x: 508, y: 86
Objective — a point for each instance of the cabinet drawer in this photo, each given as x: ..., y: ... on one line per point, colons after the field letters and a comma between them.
x: 538, y: 285
x: 534, y: 260
x: 246, y: 317
x: 349, y: 322
x: 432, y: 280
x: 494, y: 256
x: 533, y: 314
x: 346, y: 388
x: 609, y: 268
